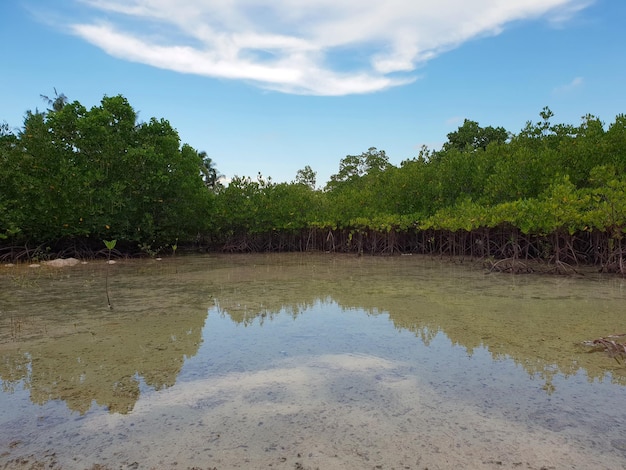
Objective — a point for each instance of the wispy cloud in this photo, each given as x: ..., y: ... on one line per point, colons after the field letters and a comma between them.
x: 565, y: 14
x: 569, y: 87
x: 454, y: 121
x: 320, y: 47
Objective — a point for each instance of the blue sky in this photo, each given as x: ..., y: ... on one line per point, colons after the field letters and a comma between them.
x: 272, y: 86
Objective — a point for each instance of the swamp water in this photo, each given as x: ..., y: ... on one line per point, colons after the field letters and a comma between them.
x: 307, y: 361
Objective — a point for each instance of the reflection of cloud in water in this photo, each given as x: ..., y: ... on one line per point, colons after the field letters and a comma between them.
x: 298, y: 378
x: 331, y: 411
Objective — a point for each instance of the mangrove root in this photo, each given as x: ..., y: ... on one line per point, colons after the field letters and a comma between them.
x: 510, y: 265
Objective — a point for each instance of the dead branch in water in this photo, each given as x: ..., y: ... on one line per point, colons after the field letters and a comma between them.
x: 609, y: 345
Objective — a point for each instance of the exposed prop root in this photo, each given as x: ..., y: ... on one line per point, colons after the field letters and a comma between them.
x: 510, y: 265
x: 616, y: 267
x: 561, y: 267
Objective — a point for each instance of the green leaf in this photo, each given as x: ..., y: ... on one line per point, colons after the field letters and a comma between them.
x: 110, y: 244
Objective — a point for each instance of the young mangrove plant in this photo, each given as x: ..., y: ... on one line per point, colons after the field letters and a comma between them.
x: 110, y: 244
x: 174, y: 248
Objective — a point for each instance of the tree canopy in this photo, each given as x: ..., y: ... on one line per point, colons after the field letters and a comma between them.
x: 73, y: 176
x: 77, y: 175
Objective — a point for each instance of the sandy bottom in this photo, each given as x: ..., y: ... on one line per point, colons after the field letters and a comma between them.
x: 342, y: 411
x: 308, y: 363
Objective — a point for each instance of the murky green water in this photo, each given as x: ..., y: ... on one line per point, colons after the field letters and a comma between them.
x: 308, y: 361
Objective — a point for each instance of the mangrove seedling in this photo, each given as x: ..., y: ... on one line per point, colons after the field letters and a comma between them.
x: 174, y: 247
x: 110, y: 244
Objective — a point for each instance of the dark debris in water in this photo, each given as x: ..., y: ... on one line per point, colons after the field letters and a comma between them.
x: 608, y: 344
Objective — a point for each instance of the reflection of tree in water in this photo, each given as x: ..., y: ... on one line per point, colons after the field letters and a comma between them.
x: 13, y: 370
x: 104, y: 365
x: 248, y: 313
x: 537, y: 334
x: 107, y: 356
x: 70, y: 347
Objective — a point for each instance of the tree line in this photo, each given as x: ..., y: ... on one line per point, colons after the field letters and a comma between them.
x: 71, y: 177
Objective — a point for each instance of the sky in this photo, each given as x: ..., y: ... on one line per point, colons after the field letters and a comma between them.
x: 273, y: 86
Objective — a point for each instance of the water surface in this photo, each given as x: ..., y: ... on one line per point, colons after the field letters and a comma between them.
x: 307, y: 361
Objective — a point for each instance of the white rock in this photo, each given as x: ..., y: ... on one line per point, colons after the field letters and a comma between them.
x: 62, y: 262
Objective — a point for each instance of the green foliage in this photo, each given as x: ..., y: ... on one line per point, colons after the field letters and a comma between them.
x: 470, y: 136
x: 547, y: 179
x: 466, y: 215
x: 306, y: 177
x: 261, y: 206
x: 353, y: 167
x: 77, y: 174
x: 210, y: 174
x: 110, y: 244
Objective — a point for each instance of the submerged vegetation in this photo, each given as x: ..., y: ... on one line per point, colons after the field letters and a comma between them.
x: 71, y: 177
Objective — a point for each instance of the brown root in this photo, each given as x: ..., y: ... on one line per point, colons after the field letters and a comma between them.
x: 510, y: 265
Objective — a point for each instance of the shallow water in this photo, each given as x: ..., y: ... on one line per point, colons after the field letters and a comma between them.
x: 308, y: 361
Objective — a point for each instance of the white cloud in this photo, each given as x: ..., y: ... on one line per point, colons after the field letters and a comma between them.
x: 569, y: 87
x: 321, y: 47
